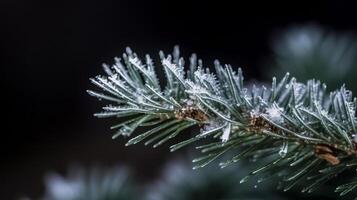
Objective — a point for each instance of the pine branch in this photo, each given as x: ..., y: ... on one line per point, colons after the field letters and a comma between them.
x: 298, y: 131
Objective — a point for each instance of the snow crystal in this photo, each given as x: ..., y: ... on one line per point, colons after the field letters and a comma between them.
x: 255, y: 113
x: 274, y: 113
x: 140, y: 99
x: 196, y: 89
x: 283, y: 149
x: 226, y: 133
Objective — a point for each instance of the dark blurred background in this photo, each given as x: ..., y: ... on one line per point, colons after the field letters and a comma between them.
x: 49, y: 49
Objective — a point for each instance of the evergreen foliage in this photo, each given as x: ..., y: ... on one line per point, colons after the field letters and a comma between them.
x: 295, y: 131
x: 91, y: 184
x: 309, y: 51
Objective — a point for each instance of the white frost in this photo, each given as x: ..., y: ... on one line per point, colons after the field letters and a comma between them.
x: 283, y: 149
x: 226, y: 133
x: 299, y: 91
x: 274, y: 113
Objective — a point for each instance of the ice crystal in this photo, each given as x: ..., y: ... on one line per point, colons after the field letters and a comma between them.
x: 274, y: 113
x: 226, y: 133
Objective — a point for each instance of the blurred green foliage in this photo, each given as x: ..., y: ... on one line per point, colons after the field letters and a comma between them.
x: 311, y: 52
x: 91, y: 184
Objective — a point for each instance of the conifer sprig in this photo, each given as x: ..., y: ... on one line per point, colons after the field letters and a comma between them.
x: 298, y: 131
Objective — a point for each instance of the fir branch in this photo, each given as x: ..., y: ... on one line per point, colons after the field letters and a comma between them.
x: 301, y: 132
